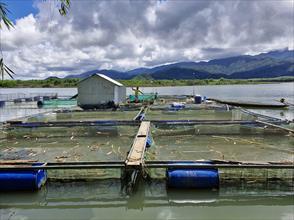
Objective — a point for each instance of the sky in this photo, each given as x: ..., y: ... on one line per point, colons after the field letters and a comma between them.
x: 127, y: 34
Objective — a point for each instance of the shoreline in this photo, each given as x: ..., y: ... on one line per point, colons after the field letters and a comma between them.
x: 72, y: 83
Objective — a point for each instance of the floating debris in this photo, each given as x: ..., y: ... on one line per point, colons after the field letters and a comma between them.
x: 110, y: 152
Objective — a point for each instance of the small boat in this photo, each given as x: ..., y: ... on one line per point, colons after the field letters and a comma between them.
x: 251, y: 104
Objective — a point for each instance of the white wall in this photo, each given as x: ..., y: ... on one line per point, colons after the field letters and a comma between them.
x: 122, y: 94
x: 95, y: 90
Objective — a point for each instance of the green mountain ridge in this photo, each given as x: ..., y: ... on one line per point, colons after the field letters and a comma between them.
x: 265, y: 65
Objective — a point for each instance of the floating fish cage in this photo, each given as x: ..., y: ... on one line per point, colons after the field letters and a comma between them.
x: 68, y: 115
x: 56, y: 103
x: 197, y: 147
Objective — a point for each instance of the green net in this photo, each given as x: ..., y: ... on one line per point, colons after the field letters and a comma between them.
x: 196, y: 114
x: 84, y: 116
x: 221, y: 142
x: 251, y: 142
x: 142, y: 98
x: 59, y: 103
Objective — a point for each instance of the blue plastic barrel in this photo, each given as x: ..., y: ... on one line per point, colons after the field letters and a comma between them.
x: 192, y: 178
x: 21, y: 180
x: 198, y: 99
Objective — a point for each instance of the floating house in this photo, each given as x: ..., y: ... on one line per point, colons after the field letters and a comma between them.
x: 99, y: 91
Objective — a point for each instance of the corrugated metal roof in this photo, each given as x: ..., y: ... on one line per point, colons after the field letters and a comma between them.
x: 104, y: 77
x: 110, y: 80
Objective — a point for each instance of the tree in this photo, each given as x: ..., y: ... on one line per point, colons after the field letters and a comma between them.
x: 3, y: 16
x: 64, y: 7
x: 4, y: 69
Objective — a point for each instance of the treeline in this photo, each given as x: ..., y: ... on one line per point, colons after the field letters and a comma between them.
x: 47, y: 83
x: 66, y: 83
x: 191, y: 82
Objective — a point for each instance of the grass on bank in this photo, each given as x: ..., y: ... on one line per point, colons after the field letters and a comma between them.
x: 67, y: 83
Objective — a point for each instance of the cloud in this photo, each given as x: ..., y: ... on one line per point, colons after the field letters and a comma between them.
x: 128, y: 34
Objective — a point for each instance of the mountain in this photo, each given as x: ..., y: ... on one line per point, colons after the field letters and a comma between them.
x: 110, y: 73
x: 138, y: 71
x: 52, y: 77
x: 265, y: 65
x: 278, y: 54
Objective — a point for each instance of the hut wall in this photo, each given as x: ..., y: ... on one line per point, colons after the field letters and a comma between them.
x: 120, y: 94
x: 95, y: 90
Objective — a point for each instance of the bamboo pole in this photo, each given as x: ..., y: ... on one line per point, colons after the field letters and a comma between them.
x: 131, y: 123
x: 275, y: 126
x: 152, y: 164
x: 61, y: 167
x: 215, y: 166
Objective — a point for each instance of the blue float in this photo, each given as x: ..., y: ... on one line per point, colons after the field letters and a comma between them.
x: 22, y: 180
x: 192, y: 178
x: 149, y: 142
x: 197, y: 99
x: 176, y: 106
x: 140, y: 117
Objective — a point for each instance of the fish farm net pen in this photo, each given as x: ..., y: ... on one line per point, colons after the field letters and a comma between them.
x: 164, y: 143
x: 131, y: 122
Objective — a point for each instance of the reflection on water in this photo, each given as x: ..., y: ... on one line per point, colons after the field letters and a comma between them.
x: 105, y: 200
x: 13, y: 111
x: 285, y: 114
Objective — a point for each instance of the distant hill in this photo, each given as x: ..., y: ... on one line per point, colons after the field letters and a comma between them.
x: 52, y: 77
x: 265, y: 65
x: 111, y: 73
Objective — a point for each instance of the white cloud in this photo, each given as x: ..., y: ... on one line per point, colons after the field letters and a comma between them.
x: 128, y: 34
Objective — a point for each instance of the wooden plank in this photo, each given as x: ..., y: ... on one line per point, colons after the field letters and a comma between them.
x: 16, y: 161
x: 144, y: 128
x: 136, y: 154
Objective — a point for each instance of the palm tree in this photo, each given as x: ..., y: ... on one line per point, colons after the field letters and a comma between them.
x: 64, y: 7
x: 3, y: 16
x: 4, y: 69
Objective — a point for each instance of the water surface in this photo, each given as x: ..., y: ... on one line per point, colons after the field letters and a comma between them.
x: 106, y: 200
x: 268, y: 93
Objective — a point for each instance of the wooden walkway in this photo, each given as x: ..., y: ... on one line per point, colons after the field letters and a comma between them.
x: 136, y: 154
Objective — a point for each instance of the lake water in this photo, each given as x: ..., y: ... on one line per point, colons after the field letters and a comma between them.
x: 268, y: 93
x: 105, y: 200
